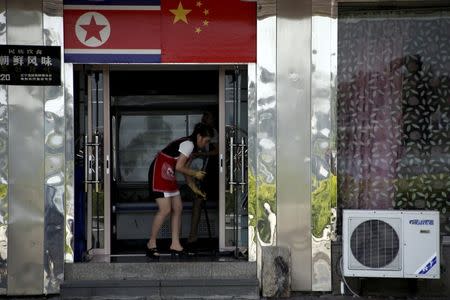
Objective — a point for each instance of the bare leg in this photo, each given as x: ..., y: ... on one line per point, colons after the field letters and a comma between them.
x: 177, y: 208
x: 163, y: 211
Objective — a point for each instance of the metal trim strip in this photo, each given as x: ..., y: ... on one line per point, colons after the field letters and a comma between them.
x: 112, y: 51
x: 111, y: 58
x: 112, y: 2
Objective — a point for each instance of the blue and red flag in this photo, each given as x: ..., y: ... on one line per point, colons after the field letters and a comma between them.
x: 152, y: 31
x: 110, y: 32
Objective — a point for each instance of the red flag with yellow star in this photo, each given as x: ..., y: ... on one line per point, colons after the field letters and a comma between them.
x: 214, y: 31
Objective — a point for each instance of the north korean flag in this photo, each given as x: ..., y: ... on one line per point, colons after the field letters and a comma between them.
x: 112, y: 31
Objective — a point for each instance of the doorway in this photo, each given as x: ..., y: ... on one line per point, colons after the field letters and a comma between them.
x: 125, y: 115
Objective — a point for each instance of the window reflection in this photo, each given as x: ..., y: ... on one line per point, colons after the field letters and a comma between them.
x: 142, y: 136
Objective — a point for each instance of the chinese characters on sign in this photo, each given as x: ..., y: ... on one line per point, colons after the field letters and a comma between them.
x: 30, y: 65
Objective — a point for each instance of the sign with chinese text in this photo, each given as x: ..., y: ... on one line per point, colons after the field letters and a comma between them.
x: 30, y: 65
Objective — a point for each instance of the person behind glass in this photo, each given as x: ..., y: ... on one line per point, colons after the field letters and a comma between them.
x: 163, y: 185
x: 208, y: 158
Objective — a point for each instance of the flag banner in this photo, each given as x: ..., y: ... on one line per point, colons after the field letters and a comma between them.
x: 112, y: 2
x: 208, y: 31
x: 112, y: 34
x: 167, y: 31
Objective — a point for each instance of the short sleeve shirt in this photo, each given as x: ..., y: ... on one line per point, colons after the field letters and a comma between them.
x: 186, y: 148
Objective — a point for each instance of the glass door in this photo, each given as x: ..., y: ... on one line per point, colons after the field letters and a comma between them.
x: 233, y: 160
x: 137, y: 136
x: 96, y: 162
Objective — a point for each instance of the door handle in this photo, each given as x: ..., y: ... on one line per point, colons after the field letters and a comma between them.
x: 242, y: 146
x: 96, y: 145
x: 107, y: 164
x: 86, y: 163
x: 231, y: 183
x: 114, y: 154
x: 91, y: 163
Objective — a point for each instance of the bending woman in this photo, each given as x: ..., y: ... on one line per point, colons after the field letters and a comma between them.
x: 163, y: 185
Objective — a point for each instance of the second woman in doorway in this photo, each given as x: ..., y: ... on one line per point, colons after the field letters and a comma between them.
x: 163, y: 185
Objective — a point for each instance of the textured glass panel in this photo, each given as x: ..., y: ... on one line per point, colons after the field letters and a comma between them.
x: 394, y: 109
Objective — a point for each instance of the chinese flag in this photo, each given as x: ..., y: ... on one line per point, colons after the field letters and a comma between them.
x: 213, y: 31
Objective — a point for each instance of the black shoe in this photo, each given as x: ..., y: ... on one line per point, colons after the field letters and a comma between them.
x: 152, y: 253
x: 192, y: 247
x: 179, y: 253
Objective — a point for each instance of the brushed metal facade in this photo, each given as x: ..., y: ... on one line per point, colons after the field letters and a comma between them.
x: 26, y: 160
x: 265, y: 119
x: 294, y: 137
x: 54, y: 128
x: 3, y: 164
x: 26, y: 190
x: 323, y: 133
x: 34, y: 164
x: 252, y: 158
x: 69, y: 164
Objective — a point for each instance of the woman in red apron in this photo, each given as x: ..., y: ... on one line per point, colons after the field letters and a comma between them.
x: 163, y: 185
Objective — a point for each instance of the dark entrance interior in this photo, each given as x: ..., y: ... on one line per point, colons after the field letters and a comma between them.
x: 148, y: 110
x: 123, y: 116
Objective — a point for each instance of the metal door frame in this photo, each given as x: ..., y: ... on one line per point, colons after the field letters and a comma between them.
x: 107, y: 157
x: 106, y: 250
x: 222, y: 166
x: 222, y: 150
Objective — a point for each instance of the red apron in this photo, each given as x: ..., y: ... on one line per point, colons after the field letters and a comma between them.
x: 164, y: 179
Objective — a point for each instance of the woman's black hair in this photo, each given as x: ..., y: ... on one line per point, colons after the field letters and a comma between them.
x: 202, y: 129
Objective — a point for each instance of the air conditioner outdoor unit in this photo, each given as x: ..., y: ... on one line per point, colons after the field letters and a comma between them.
x: 391, y: 243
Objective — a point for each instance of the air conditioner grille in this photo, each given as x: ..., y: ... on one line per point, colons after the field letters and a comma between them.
x: 374, y: 243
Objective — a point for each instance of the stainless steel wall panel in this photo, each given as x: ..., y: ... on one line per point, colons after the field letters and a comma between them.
x: 252, y: 158
x: 69, y: 163
x: 54, y: 128
x: 294, y: 135
x: 265, y: 177
x: 53, y: 23
x: 3, y: 164
x: 323, y: 177
x: 2, y: 22
x: 24, y: 22
x: 26, y: 190
x: 3, y: 187
x: 26, y: 160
